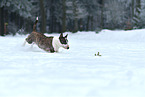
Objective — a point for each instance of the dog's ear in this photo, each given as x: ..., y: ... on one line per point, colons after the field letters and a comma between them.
x: 66, y: 35
x: 61, y: 35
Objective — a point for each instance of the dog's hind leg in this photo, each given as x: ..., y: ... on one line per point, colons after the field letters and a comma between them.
x: 32, y: 45
x: 24, y: 43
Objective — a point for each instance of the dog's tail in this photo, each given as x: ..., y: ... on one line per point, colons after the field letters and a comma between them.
x: 34, y: 26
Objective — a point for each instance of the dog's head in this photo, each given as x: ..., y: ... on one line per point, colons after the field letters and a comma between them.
x: 64, y: 41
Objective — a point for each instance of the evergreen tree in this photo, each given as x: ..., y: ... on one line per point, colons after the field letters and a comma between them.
x: 13, y: 12
x: 137, y: 13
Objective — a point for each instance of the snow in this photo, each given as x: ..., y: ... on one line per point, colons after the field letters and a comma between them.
x: 77, y: 72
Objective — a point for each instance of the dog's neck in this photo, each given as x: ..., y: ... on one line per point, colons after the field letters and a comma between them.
x: 56, y: 43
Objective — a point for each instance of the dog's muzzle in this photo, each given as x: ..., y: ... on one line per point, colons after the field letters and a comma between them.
x: 65, y: 46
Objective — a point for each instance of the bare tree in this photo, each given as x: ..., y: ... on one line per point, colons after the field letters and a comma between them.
x: 43, y: 17
x: 2, y: 21
x: 102, y: 14
x: 64, y: 16
x: 75, y: 16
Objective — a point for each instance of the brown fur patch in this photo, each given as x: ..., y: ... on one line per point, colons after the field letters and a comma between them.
x: 41, y: 40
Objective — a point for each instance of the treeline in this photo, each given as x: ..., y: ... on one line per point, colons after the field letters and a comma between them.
x: 18, y: 16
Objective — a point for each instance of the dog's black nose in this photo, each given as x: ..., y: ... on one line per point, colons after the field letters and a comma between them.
x: 67, y: 47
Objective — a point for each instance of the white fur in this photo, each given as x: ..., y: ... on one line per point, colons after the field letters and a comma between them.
x: 56, y: 44
x: 36, y: 18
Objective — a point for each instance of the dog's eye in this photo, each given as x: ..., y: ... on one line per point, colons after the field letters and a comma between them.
x: 63, y: 41
x: 66, y: 41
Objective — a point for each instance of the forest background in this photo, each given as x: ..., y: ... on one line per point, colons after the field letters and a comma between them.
x: 55, y: 16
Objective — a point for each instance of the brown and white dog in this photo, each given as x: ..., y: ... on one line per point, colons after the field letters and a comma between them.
x: 49, y: 44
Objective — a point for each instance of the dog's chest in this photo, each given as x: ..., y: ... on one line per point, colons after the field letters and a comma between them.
x: 56, y: 43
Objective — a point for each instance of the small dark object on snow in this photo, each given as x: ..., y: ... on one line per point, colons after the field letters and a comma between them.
x: 98, y: 54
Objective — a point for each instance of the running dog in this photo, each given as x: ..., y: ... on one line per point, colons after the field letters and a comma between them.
x: 49, y: 44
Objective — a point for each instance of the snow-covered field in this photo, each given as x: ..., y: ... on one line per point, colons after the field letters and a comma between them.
x: 77, y: 72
